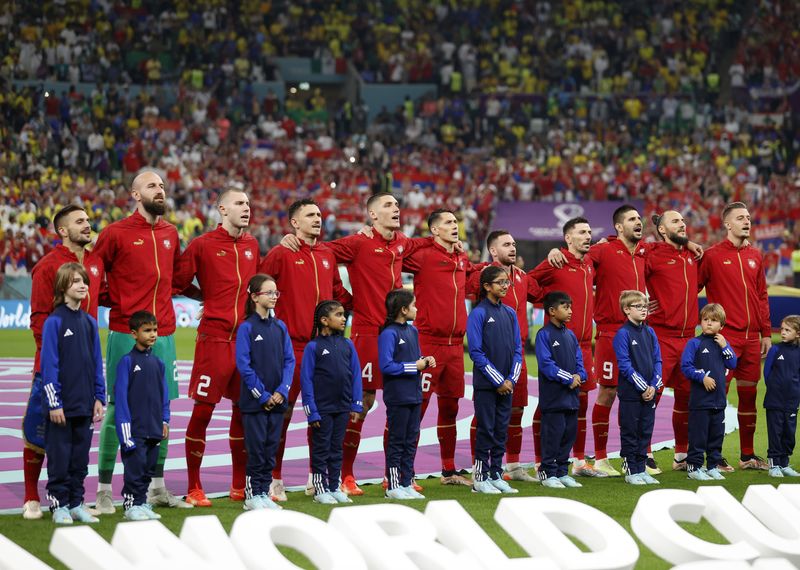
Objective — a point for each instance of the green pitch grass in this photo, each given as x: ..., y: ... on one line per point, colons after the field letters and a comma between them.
x: 611, y: 496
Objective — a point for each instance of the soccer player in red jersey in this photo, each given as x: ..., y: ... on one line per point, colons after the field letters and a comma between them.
x: 732, y: 272
x: 139, y: 254
x: 576, y: 279
x: 223, y: 260
x: 503, y: 250
x: 440, y: 275
x: 305, y: 278
x: 671, y: 277
x: 72, y: 225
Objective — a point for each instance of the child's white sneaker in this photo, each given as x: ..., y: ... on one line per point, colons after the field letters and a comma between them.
x: 502, y: 486
x: 136, y: 513
x: 325, y: 499
x: 553, y: 483
x: 80, y: 514
x: 715, y: 474
x: 485, y: 487
x: 569, y: 482
x: 413, y: 493
x: 698, y: 474
x: 635, y: 479
x: 789, y: 472
x: 398, y: 494
x: 340, y: 496
x: 775, y: 472
x: 649, y: 479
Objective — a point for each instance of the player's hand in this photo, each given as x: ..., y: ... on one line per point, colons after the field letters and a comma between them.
x: 99, y: 411
x: 357, y: 417
x: 57, y: 417
x: 459, y: 246
x: 366, y: 231
x: 199, y: 315
x: 696, y: 249
x: 709, y: 384
x: 720, y: 340
x: 314, y: 425
x: 556, y: 258
x: 766, y: 344
x: 291, y: 242
x: 165, y: 431
x: 576, y: 381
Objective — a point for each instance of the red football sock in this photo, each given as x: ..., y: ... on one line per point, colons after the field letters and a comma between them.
x: 196, y: 442
x: 680, y: 421
x: 514, y: 442
x: 537, y: 435
x: 446, y: 432
x: 473, y: 430
x: 352, y: 439
x: 238, y: 453
x: 32, y: 462
x: 579, y: 448
x: 276, y: 471
x: 747, y: 418
x: 600, y: 415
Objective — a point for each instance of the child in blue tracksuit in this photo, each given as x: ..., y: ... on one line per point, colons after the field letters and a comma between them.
x: 74, y: 393
x: 142, y: 419
x: 400, y: 361
x: 639, y: 362
x: 704, y: 362
x: 496, y: 352
x: 265, y: 360
x: 330, y: 381
x: 782, y: 377
x: 561, y: 372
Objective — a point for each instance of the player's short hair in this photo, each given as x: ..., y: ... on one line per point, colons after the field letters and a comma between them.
x: 63, y: 280
x: 629, y: 297
x: 65, y: 211
x: 229, y: 190
x: 572, y: 223
x: 489, y: 274
x: 376, y: 198
x: 713, y: 311
x: 295, y: 207
x: 494, y: 236
x: 619, y: 213
x: 731, y: 207
x: 792, y: 321
x: 141, y: 318
x: 436, y: 215
x: 554, y: 299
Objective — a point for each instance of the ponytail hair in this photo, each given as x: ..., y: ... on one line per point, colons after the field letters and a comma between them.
x: 254, y: 286
x: 324, y: 309
x: 488, y: 275
x: 396, y: 300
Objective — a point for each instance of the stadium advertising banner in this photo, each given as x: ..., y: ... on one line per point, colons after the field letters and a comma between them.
x: 16, y: 314
x: 759, y: 532
x: 542, y: 221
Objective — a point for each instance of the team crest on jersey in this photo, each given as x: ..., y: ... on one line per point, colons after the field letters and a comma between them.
x: 518, y: 278
x: 691, y: 261
x: 139, y: 241
x: 461, y: 264
x: 325, y: 264
x: 167, y: 244
x: 641, y: 251
x: 248, y: 254
x: 752, y: 263
x: 94, y: 271
x: 221, y: 253
x: 400, y: 249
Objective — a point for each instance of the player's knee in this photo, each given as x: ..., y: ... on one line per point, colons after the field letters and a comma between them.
x: 606, y: 395
x: 448, y: 407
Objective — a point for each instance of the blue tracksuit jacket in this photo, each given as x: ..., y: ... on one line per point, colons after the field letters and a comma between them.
x: 398, y: 352
x: 141, y: 397
x: 559, y: 356
x: 638, y: 359
x: 703, y: 357
x: 330, y: 377
x: 494, y: 345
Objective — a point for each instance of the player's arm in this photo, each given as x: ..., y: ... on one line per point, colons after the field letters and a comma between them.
x: 355, y: 371
x: 548, y: 369
x: 414, y: 261
x: 289, y: 362
x: 624, y: 364
x: 272, y: 262
x: 387, y: 341
x: 50, y: 363
x: 106, y: 247
x: 542, y: 274
x: 185, y: 270
x: 340, y: 293
x: 535, y: 291
x: 704, y: 270
x: 345, y: 249
x: 763, y: 303
x: 41, y: 299
x: 473, y: 286
x: 516, y: 362
x: 307, y: 382
x: 687, y: 362
x: 655, y: 381
x: 244, y: 364
x: 122, y: 410
x: 97, y: 355
x: 475, y: 345
x: 418, y: 243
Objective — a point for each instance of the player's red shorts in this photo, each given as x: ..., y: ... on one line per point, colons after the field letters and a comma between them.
x: 214, y: 372
x: 294, y: 391
x: 605, y: 359
x: 588, y: 364
x: 748, y: 358
x: 671, y: 354
x: 519, y: 398
x: 367, y: 350
x: 447, y: 379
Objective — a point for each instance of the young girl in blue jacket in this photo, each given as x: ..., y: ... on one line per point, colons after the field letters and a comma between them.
x: 400, y: 362
x: 330, y: 381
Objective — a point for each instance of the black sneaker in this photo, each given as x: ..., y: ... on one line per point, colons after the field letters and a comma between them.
x: 651, y: 467
x: 723, y: 465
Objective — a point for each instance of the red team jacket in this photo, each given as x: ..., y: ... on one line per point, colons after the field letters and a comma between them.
x: 440, y: 280
x: 305, y: 278
x: 734, y: 278
x: 671, y: 277
x: 523, y: 288
x: 616, y: 270
x: 374, y: 265
x: 576, y: 279
x: 139, y: 259
x: 44, y: 277
x: 223, y: 266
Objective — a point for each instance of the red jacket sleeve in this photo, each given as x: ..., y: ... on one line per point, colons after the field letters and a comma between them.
x: 186, y: 268
x: 763, y: 300
x: 542, y: 274
x: 535, y: 291
x: 346, y: 248
x: 272, y: 262
x: 340, y: 293
x: 106, y: 247
x: 704, y: 270
x: 413, y: 260
x: 41, y: 299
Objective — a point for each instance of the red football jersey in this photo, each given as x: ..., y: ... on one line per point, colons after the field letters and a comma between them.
x: 734, y: 278
x: 304, y: 278
x: 616, y: 270
x: 139, y: 259
x: 223, y: 266
x: 43, y: 279
x: 671, y: 278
